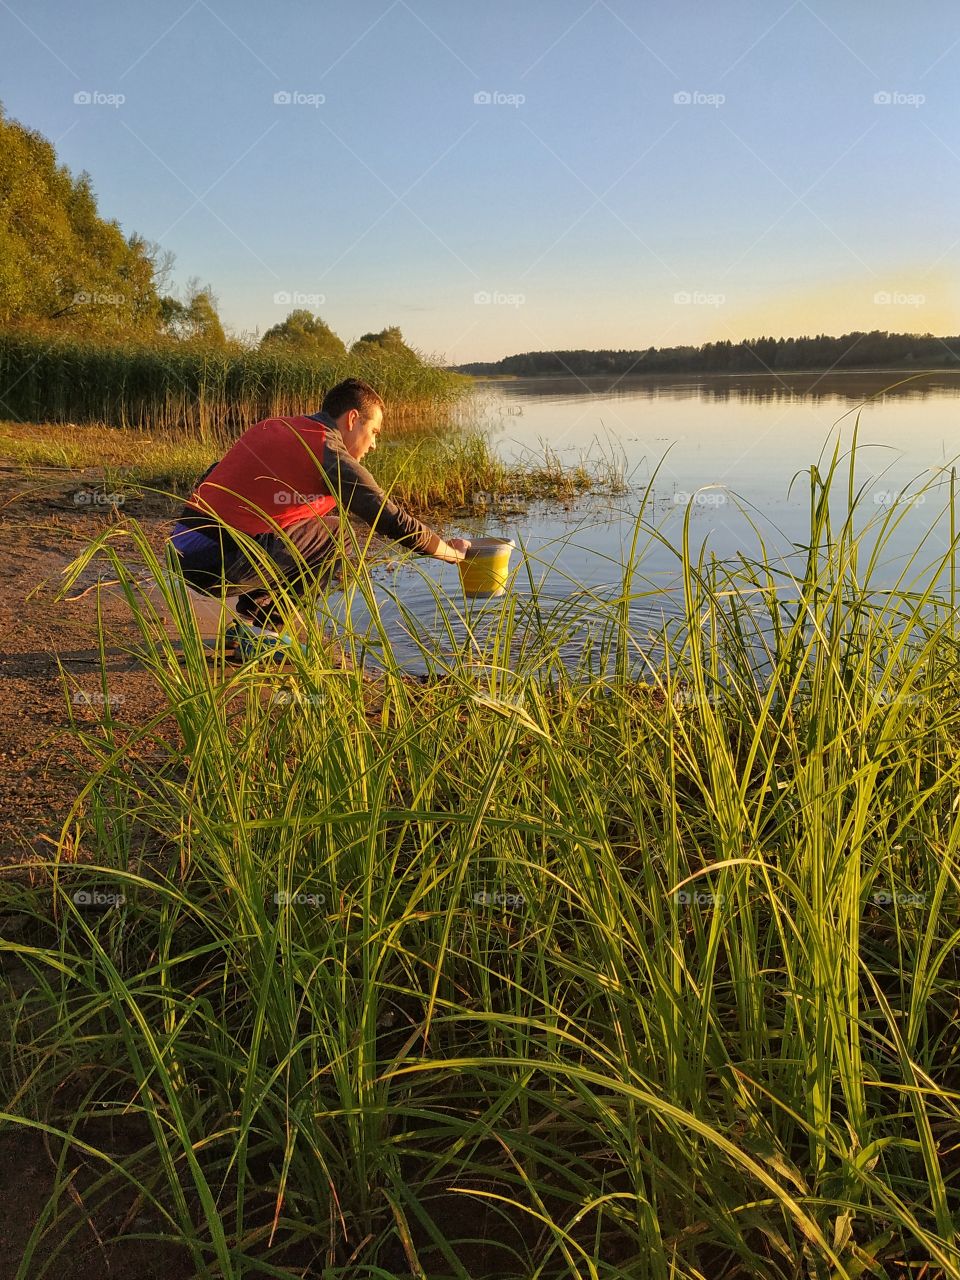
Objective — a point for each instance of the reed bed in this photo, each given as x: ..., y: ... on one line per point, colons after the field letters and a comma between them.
x: 645, y: 967
x: 211, y: 393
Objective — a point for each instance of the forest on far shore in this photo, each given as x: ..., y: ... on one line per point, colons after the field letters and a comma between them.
x: 875, y: 350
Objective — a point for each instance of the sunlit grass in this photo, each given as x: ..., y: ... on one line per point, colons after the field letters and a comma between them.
x: 131, y: 457
x: 449, y: 467
x: 645, y: 967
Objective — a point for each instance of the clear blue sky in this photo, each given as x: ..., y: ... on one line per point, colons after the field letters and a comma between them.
x: 584, y: 199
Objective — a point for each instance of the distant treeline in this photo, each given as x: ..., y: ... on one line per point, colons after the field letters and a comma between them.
x: 877, y: 349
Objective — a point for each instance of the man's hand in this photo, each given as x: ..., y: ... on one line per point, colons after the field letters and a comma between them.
x: 453, y: 550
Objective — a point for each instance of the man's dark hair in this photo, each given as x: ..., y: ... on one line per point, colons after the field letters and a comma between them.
x: 351, y: 394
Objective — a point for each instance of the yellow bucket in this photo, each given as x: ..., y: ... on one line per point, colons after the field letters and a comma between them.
x: 484, y: 570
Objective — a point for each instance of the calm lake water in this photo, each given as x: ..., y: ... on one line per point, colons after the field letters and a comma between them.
x: 746, y: 437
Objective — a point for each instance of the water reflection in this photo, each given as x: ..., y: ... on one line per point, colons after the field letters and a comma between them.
x: 759, y: 388
x: 725, y: 460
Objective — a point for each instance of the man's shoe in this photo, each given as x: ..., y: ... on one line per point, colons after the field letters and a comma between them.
x: 251, y: 641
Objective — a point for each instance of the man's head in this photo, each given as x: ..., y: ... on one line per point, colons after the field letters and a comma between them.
x: 358, y: 412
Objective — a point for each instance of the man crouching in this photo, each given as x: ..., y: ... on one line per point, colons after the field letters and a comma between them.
x: 282, y: 484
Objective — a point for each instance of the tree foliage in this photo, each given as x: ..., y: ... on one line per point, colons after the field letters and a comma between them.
x: 389, y: 340
x: 66, y: 270
x: 196, y: 319
x: 63, y: 268
x: 306, y: 334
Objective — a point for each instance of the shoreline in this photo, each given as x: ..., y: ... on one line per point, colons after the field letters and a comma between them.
x: 774, y: 374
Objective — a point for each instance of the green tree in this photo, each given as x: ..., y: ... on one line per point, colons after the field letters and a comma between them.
x: 63, y: 268
x: 196, y: 319
x: 306, y: 333
x: 389, y: 341
x: 203, y: 318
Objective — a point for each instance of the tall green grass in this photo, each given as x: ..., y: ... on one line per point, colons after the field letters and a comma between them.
x: 642, y: 968
x: 211, y: 392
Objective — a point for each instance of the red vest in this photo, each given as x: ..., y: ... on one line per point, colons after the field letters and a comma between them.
x: 270, y: 477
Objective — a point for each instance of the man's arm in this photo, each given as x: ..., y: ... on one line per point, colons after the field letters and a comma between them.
x: 357, y: 491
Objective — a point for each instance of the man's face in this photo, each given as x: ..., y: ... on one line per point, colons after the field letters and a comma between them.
x: 360, y: 435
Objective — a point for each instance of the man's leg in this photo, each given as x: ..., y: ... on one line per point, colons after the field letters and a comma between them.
x: 203, y: 556
x: 304, y: 556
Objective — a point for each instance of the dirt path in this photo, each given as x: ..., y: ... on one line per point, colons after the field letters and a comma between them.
x: 41, y: 530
